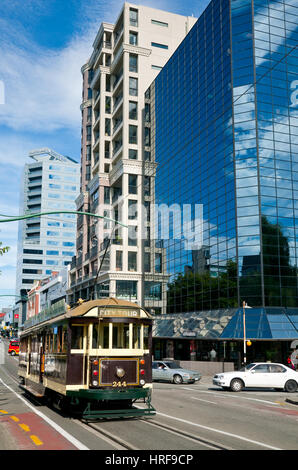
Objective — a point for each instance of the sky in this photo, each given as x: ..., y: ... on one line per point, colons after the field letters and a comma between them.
x: 44, y: 43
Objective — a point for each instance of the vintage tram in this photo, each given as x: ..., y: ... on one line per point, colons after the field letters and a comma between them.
x: 94, y: 360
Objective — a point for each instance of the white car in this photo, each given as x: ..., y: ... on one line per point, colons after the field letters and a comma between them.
x: 259, y: 375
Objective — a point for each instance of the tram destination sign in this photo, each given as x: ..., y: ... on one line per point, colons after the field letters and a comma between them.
x: 118, y: 312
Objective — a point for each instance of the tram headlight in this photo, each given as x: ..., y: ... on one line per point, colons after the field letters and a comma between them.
x: 94, y: 382
x: 142, y: 382
x: 120, y: 372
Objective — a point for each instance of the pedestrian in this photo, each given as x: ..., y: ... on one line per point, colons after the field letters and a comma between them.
x: 212, y: 354
x: 290, y: 363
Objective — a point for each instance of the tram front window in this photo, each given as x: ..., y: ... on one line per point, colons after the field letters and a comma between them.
x: 105, y: 336
x: 121, y: 336
x: 136, y: 336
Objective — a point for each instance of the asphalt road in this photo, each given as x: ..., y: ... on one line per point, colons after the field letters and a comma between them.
x: 189, y: 418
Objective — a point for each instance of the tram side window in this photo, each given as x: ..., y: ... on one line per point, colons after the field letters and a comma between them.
x: 146, y: 337
x: 77, y: 337
x: 64, y: 339
x: 95, y: 336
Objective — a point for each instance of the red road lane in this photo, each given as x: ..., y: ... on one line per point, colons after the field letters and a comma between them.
x: 31, y: 432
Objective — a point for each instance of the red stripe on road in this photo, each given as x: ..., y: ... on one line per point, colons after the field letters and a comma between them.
x: 44, y: 435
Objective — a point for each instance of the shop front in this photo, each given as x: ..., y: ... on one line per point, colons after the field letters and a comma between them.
x: 217, y: 335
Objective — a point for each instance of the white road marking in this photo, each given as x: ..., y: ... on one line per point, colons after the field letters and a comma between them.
x: 236, y: 436
x: 234, y: 396
x: 206, y: 401
x: 57, y: 428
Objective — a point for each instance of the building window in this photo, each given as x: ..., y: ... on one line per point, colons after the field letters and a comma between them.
x: 132, y: 261
x: 119, y: 260
x: 132, y: 235
x: 127, y: 289
x: 133, y: 86
x: 106, y: 195
x: 158, y: 262
x: 52, y: 262
x: 88, y: 132
x: 32, y: 261
x: 147, y: 139
x: 161, y: 46
x: 147, y: 155
x: 88, y: 153
x: 159, y: 23
x: 132, y: 209
x: 89, y: 113
x: 50, y: 233
x: 132, y: 154
x: 133, y: 17
x: 146, y: 185
x: 133, y: 110
x: 52, y: 252
x: 133, y: 134
x: 133, y: 38
x: 147, y: 263
x: 133, y: 63
x: 152, y: 290
x: 132, y: 184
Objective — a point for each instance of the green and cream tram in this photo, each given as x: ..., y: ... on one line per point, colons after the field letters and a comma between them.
x: 94, y: 359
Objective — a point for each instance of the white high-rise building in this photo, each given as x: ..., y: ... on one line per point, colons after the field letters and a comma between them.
x: 117, y: 174
x: 47, y: 243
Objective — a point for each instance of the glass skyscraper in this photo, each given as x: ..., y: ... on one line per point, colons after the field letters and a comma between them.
x: 224, y: 134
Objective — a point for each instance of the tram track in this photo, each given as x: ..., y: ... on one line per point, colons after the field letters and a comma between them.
x: 110, y: 438
x: 194, y: 438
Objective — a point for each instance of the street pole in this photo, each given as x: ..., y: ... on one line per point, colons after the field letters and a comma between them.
x: 244, y: 335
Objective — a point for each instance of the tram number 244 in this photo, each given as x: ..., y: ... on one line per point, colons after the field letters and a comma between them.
x: 119, y: 384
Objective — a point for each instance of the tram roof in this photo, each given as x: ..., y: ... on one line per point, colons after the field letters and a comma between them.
x: 107, y: 303
x: 98, y: 307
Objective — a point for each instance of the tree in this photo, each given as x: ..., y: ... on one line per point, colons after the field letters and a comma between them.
x: 3, y: 249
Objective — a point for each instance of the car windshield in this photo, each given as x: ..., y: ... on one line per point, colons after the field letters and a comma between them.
x: 173, y: 365
x: 248, y: 367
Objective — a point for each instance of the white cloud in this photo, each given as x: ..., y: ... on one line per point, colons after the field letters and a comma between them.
x: 43, y: 87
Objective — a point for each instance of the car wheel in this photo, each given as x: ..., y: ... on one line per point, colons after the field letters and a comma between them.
x: 12, y: 353
x: 291, y: 386
x: 177, y: 379
x: 236, y: 385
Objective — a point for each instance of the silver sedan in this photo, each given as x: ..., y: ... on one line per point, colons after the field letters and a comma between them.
x: 170, y: 371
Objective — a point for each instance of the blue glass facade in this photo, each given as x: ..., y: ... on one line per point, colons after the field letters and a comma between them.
x: 224, y: 133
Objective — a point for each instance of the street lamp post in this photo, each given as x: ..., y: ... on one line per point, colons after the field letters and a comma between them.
x: 244, y: 334
x: 245, y: 342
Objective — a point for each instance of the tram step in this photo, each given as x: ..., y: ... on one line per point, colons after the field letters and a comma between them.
x: 31, y: 390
